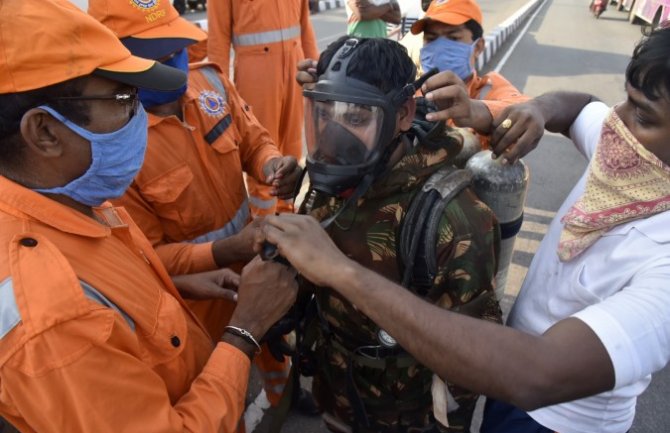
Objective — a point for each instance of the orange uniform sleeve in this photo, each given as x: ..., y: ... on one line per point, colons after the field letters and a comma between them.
x: 108, y: 388
x: 502, y: 94
x: 256, y: 146
x: 307, y: 35
x: 178, y: 257
x: 220, y: 31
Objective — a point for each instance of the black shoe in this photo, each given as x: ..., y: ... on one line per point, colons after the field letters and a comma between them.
x: 304, y: 403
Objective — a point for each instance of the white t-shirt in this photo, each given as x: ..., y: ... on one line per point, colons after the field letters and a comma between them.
x: 619, y: 287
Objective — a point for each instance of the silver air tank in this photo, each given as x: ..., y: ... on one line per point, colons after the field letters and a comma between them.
x: 471, y: 145
x: 503, y: 188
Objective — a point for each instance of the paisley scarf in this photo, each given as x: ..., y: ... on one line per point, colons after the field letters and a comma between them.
x: 625, y: 182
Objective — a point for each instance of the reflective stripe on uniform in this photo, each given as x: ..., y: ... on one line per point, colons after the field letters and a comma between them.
x: 91, y: 293
x: 484, y: 91
x: 9, y: 312
x: 234, y: 226
x: 276, y: 389
x: 280, y: 35
x: 259, y: 203
x: 10, y: 315
x: 273, y: 375
x: 213, y: 78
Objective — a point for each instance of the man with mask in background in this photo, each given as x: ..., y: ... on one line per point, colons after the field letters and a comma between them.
x: 189, y: 198
x: 364, y: 174
x: 452, y: 41
x: 94, y: 336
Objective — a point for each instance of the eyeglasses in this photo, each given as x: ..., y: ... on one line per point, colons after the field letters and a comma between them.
x: 130, y: 101
x: 126, y: 99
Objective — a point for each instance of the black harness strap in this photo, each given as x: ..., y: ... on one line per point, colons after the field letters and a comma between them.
x: 419, y: 231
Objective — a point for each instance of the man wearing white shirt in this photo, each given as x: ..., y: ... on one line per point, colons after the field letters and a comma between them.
x: 592, y: 321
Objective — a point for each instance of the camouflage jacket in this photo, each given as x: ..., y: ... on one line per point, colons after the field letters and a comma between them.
x: 395, y: 391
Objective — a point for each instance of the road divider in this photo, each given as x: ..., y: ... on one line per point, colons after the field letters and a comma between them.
x: 499, y: 35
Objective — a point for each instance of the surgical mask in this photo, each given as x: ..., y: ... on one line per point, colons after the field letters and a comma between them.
x: 447, y: 55
x: 116, y: 157
x: 152, y: 98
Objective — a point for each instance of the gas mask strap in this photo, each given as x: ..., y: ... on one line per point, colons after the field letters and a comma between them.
x: 410, y: 89
x: 298, y: 184
x: 358, y: 193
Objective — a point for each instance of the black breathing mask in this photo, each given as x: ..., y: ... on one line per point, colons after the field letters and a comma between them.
x: 349, y: 126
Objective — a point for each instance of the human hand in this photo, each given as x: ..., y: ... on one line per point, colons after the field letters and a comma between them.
x: 238, y: 247
x: 517, y: 131
x: 282, y: 173
x: 219, y: 284
x: 305, y: 244
x: 266, y: 292
x: 245, y: 240
x: 306, y: 75
x: 450, y: 95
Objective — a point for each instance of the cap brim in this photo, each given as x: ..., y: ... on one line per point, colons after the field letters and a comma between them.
x: 453, y: 19
x: 148, y: 74
x: 163, y: 40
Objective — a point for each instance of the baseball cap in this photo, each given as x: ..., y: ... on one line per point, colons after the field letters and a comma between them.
x: 452, y: 12
x: 148, y: 28
x: 45, y: 42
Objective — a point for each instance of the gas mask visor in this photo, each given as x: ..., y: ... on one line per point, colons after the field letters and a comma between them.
x: 348, y: 124
x: 342, y: 133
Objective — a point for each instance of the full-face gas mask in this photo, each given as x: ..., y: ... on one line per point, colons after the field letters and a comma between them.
x: 349, y: 126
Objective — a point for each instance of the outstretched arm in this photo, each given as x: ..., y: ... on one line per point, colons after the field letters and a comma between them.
x: 555, y: 112
x: 566, y: 362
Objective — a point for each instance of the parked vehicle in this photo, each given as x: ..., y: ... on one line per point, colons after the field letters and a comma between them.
x: 650, y: 13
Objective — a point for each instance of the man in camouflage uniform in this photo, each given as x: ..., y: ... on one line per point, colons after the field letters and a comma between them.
x: 364, y: 382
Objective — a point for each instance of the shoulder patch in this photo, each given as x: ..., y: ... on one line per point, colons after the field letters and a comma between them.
x: 212, y: 103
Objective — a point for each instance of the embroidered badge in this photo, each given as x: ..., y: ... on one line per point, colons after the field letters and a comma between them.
x: 145, y: 5
x: 212, y: 103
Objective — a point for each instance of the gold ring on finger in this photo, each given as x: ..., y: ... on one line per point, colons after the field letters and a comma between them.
x: 507, y: 123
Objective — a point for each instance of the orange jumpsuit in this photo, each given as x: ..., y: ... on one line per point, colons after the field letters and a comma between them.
x: 496, y: 93
x: 94, y: 336
x: 269, y: 38
x: 190, y: 190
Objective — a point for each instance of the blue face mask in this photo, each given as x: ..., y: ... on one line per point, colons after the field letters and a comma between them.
x: 447, y: 55
x: 116, y: 157
x: 152, y: 98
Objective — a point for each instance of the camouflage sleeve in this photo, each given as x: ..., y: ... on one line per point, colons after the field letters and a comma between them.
x: 467, y: 249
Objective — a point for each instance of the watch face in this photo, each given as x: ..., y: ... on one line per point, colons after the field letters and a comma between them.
x: 385, y: 339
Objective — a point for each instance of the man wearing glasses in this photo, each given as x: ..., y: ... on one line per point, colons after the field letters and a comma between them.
x: 189, y: 198
x: 93, y: 334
